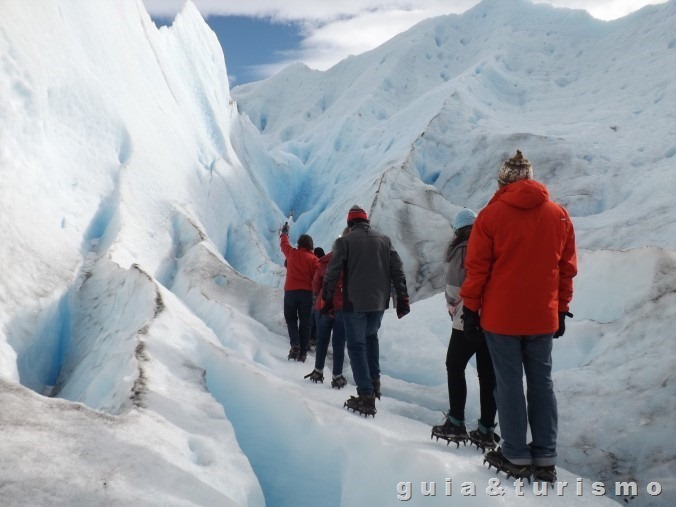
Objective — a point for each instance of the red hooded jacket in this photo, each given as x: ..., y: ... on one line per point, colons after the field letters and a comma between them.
x: 520, y: 261
x: 318, y: 285
x: 301, y: 265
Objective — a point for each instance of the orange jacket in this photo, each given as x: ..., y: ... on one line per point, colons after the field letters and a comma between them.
x: 301, y: 265
x: 520, y: 261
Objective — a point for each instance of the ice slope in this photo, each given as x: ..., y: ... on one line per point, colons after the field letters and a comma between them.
x: 591, y: 103
x: 115, y: 139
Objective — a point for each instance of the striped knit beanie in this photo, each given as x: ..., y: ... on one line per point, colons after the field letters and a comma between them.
x: 356, y: 214
x: 515, y: 169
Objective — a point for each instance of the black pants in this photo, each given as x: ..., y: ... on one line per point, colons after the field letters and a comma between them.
x: 298, y: 313
x: 460, y: 351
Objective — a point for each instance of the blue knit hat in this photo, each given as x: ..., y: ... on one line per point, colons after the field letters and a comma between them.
x: 464, y: 218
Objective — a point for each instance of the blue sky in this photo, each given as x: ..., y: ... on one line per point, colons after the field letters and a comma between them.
x: 260, y: 37
x: 251, y: 45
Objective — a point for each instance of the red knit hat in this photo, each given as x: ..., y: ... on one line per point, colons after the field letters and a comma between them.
x: 356, y: 213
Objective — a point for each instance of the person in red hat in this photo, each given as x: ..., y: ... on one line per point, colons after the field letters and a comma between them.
x: 370, y: 267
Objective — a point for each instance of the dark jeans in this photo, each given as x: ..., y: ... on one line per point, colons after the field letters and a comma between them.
x: 297, y: 313
x: 512, y: 356
x: 326, y: 324
x: 460, y: 351
x: 314, y: 319
x: 361, y: 333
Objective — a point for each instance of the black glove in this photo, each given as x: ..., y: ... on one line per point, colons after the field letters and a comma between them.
x: 470, y: 325
x: 285, y: 228
x: 327, y: 308
x: 562, y: 323
x: 403, y: 307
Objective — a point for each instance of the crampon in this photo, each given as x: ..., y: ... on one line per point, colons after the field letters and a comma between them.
x: 495, y: 458
x: 364, y: 404
x: 450, y: 432
x: 315, y: 376
x: 544, y: 474
x: 484, y: 441
x: 293, y: 353
x: 338, y: 382
x: 456, y: 439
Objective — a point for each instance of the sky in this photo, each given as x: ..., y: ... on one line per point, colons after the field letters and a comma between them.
x: 143, y: 348
x: 260, y: 37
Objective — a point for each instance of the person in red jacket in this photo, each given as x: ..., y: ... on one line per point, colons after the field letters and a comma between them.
x: 520, y: 266
x: 319, y: 253
x: 328, y: 323
x: 301, y: 264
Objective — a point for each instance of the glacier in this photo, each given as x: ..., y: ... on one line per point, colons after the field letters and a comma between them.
x: 142, y: 340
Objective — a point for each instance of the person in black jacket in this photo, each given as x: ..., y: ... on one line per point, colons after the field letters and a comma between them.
x: 371, y: 267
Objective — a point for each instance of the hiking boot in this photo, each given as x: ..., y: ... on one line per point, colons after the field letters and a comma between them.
x: 338, y: 382
x: 365, y: 404
x: 484, y: 440
x: 316, y: 376
x: 497, y: 459
x: 293, y: 353
x: 375, y: 382
x: 544, y: 474
x: 301, y: 357
x: 450, y: 432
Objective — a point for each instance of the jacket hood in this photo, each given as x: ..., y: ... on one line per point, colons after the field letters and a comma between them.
x: 451, y: 253
x: 524, y: 194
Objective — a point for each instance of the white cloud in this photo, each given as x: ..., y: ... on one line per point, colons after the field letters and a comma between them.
x: 325, y: 45
x: 330, y: 10
x: 604, y: 9
x: 303, y: 10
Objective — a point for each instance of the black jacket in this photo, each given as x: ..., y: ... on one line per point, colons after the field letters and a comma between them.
x: 371, y: 268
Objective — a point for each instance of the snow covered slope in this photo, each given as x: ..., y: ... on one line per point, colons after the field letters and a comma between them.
x: 591, y: 103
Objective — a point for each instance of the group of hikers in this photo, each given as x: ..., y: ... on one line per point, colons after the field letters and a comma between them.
x: 509, y: 283
x: 351, y: 287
